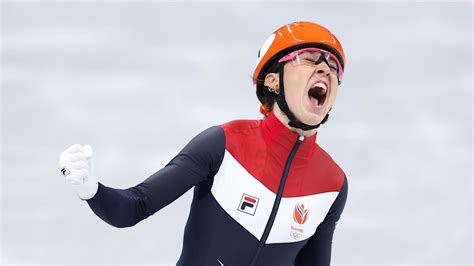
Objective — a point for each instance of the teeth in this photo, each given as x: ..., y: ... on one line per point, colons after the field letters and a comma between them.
x: 320, y: 84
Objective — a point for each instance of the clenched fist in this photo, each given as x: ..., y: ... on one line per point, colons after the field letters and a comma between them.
x: 75, y: 163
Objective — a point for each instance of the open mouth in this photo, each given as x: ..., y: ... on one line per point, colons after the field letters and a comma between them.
x: 318, y: 93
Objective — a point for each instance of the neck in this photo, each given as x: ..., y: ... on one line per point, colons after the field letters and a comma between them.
x: 284, y: 120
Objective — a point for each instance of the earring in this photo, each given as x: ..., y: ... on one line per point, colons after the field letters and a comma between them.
x: 275, y: 90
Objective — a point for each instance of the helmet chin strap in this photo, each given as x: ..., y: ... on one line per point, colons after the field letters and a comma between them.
x: 294, y: 122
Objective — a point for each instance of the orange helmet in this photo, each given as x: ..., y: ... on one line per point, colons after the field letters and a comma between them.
x: 290, y: 37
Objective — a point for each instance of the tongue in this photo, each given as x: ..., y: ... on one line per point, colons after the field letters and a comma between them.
x: 314, y: 101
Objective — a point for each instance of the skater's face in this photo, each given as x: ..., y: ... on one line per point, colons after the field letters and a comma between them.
x: 310, y: 89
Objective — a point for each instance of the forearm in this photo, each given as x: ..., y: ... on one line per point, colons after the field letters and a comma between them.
x: 127, y: 207
x: 118, y: 207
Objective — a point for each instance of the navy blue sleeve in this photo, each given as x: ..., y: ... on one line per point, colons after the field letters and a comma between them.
x: 317, y: 252
x: 196, y: 162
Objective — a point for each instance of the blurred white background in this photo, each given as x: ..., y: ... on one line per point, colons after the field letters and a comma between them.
x: 137, y: 80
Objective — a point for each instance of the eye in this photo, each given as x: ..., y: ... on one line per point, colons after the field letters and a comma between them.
x: 310, y: 60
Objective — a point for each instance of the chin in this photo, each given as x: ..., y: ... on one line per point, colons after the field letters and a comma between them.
x: 312, y: 118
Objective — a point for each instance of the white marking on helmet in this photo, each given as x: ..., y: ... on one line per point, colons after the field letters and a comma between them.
x: 266, y: 45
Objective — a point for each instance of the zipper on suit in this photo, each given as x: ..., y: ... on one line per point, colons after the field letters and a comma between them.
x: 276, y: 204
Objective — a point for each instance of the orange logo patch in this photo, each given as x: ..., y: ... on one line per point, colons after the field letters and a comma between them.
x: 300, y: 214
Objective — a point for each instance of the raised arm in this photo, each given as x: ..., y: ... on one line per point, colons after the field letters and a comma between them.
x: 196, y: 162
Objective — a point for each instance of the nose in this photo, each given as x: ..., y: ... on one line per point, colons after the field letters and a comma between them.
x: 322, y: 68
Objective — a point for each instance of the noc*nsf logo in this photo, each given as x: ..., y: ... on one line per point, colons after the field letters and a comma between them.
x: 300, y: 215
x: 248, y: 204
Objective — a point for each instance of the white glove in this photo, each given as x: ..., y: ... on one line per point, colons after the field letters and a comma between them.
x: 75, y: 163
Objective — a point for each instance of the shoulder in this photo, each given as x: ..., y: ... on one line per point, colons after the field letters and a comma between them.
x: 334, y: 173
x: 208, y: 141
x: 240, y: 132
x: 209, y: 135
x: 241, y: 125
x: 204, y: 151
x: 241, y: 137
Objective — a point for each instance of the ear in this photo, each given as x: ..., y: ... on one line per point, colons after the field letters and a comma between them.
x: 272, y: 80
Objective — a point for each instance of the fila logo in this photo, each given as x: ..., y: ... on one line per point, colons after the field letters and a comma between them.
x: 65, y: 171
x: 248, y: 204
x: 300, y: 214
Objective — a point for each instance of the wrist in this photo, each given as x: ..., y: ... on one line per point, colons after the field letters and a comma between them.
x: 89, y: 189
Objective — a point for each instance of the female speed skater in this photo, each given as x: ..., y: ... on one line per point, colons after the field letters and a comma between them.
x: 265, y: 193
